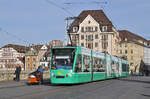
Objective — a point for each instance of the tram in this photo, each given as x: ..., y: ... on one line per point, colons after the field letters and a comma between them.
x: 72, y: 65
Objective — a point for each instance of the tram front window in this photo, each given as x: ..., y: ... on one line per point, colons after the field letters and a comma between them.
x: 62, y: 59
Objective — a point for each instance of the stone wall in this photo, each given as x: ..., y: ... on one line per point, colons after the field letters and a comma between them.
x: 8, y: 75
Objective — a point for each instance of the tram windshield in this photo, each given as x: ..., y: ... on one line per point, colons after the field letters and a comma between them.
x: 62, y: 58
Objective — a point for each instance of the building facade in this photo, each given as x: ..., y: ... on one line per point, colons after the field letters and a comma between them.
x: 92, y: 29
x: 131, y: 47
x: 147, y: 56
x: 45, y: 60
x: 31, y: 60
x: 34, y: 56
x: 12, y: 55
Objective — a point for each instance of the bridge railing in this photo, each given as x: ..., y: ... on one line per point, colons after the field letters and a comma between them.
x: 8, y: 75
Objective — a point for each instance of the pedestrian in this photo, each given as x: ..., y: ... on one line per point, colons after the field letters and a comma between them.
x: 40, y: 69
x: 18, y: 70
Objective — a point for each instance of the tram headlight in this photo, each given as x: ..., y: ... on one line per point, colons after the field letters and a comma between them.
x: 52, y: 74
x: 69, y: 74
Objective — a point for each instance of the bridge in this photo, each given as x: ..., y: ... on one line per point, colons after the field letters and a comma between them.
x: 133, y: 87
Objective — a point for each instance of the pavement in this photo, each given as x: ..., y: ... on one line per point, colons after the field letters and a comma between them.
x: 132, y: 87
x: 11, y: 84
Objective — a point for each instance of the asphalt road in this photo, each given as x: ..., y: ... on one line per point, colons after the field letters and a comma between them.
x: 124, y: 88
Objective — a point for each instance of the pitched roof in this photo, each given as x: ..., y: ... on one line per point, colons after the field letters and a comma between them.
x: 125, y: 34
x: 36, y: 47
x: 149, y: 42
x: 18, y: 48
x: 98, y: 15
x: 23, y: 49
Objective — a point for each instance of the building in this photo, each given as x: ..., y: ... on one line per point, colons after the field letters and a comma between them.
x: 56, y: 43
x: 149, y: 43
x: 92, y: 29
x: 131, y: 47
x: 45, y: 61
x: 12, y: 55
x: 146, y: 67
x: 34, y: 55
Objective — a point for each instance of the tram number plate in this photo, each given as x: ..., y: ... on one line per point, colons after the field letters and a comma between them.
x: 60, y: 76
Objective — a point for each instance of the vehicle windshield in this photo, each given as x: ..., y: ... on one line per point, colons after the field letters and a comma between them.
x: 62, y: 58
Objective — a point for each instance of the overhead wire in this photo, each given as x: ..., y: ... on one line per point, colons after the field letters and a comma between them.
x: 81, y: 3
x: 87, y: 3
x: 14, y: 36
x: 60, y: 7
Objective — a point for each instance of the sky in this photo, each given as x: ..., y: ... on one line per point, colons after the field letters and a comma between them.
x: 27, y: 22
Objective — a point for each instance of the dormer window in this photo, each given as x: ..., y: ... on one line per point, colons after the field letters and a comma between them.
x: 104, y: 28
x: 75, y: 29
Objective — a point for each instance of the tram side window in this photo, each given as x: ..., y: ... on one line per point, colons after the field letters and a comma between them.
x: 78, y: 67
x: 127, y: 67
x: 117, y: 66
x: 103, y: 63
x: 113, y: 66
x: 96, y: 64
x: 124, y: 67
x: 86, y: 62
x: 100, y: 65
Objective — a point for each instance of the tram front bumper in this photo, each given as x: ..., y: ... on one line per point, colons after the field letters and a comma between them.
x: 63, y: 79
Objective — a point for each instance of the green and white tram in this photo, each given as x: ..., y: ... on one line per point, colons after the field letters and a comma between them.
x: 70, y: 65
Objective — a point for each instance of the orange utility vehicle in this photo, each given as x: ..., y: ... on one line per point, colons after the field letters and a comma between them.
x: 34, y: 78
